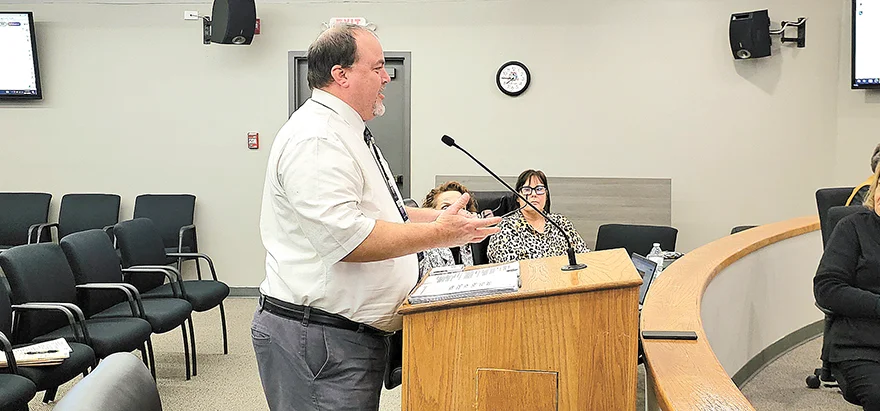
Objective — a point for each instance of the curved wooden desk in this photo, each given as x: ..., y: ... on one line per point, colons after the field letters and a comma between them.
x: 749, y: 290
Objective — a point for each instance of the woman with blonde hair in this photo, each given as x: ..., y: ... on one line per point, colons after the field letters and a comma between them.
x: 847, y: 282
x: 859, y: 193
x: 440, y: 198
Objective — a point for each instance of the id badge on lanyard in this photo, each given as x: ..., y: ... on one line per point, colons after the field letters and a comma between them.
x: 390, y: 183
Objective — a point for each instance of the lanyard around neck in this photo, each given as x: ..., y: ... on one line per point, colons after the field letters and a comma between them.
x: 374, y: 151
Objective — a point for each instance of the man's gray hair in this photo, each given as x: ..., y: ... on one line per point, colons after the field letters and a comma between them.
x: 334, y: 46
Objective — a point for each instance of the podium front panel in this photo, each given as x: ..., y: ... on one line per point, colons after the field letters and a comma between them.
x: 588, y: 341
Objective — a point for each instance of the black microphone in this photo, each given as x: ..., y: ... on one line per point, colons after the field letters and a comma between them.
x: 572, y: 261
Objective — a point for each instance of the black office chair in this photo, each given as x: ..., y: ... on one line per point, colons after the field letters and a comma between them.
x: 172, y: 214
x: 93, y: 260
x: 46, y: 378
x: 80, y: 212
x: 501, y: 203
x: 741, y: 228
x: 827, y: 198
x: 39, y: 273
x: 635, y: 238
x: 119, y: 383
x: 827, y: 221
x: 141, y: 245
x: 15, y: 391
x: 20, y: 215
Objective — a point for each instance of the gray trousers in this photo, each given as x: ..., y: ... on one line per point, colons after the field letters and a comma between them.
x: 311, y: 367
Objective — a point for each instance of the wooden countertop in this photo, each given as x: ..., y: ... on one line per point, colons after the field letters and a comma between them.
x: 686, y: 374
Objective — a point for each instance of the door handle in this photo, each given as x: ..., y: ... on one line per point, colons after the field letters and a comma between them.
x: 398, y: 178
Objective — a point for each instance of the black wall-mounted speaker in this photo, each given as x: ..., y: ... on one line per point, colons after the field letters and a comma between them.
x: 750, y: 35
x: 233, y: 21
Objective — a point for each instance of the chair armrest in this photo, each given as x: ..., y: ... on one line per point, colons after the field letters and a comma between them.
x: 172, y: 274
x: 79, y: 314
x: 10, y: 357
x: 40, y: 230
x: 109, y: 230
x: 31, y: 232
x: 72, y: 317
x: 825, y: 310
x: 197, y: 256
x: 134, y: 297
x: 35, y: 228
x: 180, y: 233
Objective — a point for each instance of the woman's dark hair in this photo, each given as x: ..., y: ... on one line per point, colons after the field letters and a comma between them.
x: 430, y: 199
x: 527, y: 175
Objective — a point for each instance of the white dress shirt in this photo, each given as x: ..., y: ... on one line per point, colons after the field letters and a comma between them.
x: 323, y: 194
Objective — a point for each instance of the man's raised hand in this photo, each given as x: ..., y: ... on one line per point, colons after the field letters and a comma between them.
x: 456, y: 229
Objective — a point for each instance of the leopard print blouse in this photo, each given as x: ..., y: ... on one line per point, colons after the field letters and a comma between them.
x: 518, y: 240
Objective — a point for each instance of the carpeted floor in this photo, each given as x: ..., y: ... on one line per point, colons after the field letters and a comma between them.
x: 231, y: 382
x: 781, y: 385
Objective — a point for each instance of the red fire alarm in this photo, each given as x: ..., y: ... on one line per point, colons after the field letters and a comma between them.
x: 257, y: 27
x: 253, y: 140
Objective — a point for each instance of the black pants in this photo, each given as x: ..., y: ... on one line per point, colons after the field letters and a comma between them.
x: 860, y: 382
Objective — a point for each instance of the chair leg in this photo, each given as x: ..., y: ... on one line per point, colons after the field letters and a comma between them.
x: 144, y: 357
x: 49, y: 396
x: 192, y: 342
x: 223, y: 323
x: 152, y: 357
x: 185, y: 350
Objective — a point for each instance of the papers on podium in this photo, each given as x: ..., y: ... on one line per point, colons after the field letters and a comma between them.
x: 43, y: 354
x: 449, y: 283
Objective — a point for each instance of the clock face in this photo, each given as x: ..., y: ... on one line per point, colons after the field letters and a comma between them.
x: 513, y: 78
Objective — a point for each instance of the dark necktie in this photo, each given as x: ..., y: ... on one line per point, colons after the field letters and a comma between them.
x: 374, y: 150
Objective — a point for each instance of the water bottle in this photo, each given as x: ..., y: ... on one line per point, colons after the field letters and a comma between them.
x: 656, y: 255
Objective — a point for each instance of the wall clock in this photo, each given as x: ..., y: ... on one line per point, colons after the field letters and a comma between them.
x: 513, y: 78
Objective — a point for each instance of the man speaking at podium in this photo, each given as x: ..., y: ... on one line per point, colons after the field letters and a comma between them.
x: 340, y: 244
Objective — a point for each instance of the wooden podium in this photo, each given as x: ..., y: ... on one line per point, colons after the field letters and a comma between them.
x: 564, y: 341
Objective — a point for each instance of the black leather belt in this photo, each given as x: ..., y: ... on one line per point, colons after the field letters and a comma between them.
x: 313, y: 315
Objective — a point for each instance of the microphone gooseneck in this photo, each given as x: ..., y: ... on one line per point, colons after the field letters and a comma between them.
x: 572, y: 260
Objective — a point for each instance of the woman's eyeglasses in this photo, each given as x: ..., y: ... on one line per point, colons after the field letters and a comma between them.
x: 538, y: 190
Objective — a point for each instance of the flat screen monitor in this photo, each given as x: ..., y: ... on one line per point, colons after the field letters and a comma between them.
x: 19, y: 70
x: 866, y: 44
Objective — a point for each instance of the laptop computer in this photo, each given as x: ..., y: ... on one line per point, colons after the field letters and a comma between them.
x: 646, y: 269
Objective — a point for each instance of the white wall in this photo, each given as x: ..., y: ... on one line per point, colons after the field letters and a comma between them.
x: 625, y: 88
x: 742, y: 310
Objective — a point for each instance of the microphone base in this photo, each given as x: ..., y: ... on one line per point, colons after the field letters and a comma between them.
x: 573, y: 267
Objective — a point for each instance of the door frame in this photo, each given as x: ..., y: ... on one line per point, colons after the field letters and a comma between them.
x: 296, y: 56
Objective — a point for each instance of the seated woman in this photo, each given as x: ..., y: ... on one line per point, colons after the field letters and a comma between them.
x: 525, y: 234
x: 859, y: 193
x: 440, y: 198
x: 847, y: 282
